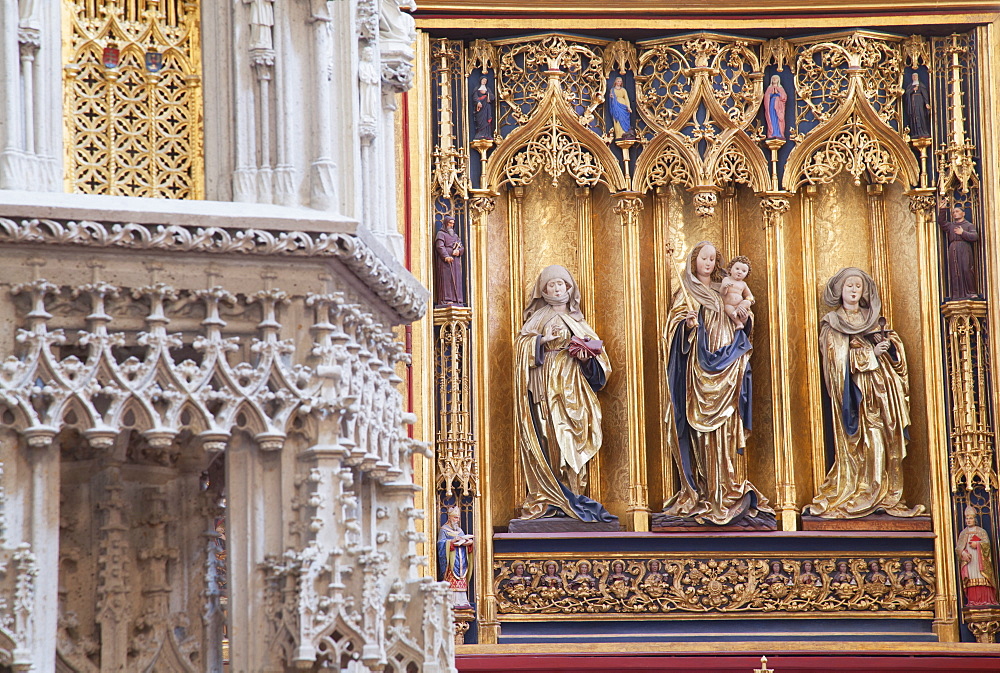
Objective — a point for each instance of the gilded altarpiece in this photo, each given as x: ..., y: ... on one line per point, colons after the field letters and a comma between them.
x: 849, y: 180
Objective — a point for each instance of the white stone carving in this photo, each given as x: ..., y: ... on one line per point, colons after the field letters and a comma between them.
x: 408, y: 300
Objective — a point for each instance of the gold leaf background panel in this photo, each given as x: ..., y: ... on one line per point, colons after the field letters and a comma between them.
x: 803, y: 357
x: 549, y: 231
x: 130, y: 131
x: 506, y: 497
x: 760, y: 450
x: 609, y: 322
x: 905, y: 268
x: 843, y: 237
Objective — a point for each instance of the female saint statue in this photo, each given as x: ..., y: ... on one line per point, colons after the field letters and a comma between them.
x: 482, y: 111
x: 708, y: 406
x: 775, y: 99
x: 917, y: 103
x: 561, y: 364
x: 621, y: 110
x: 864, y: 367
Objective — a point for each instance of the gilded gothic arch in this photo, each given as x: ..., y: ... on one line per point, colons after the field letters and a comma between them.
x: 855, y: 138
x: 556, y: 142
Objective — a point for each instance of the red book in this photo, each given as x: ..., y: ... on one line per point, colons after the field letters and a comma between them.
x: 579, y: 345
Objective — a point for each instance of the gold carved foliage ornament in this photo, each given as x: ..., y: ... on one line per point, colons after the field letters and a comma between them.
x: 553, y: 586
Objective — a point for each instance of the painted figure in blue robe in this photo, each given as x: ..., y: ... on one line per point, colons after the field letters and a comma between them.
x: 864, y: 369
x: 621, y: 110
x: 454, y: 549
x: 555, y: 402
x: 708, y: 408
x: 774, y: 108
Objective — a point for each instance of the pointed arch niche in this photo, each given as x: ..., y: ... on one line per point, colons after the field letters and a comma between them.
x: 557, y: 186
x: 857, y: 201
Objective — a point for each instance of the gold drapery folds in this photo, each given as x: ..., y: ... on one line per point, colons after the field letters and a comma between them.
x: 870, y: 398
x: 556, y: 408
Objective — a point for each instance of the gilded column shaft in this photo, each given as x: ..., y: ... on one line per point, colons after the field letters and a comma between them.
x: 774, y: 207
x: 730, y: 223
x: 811, y: 319
x: 585, y: 222
x: 483, y: 202
x: 421, y: 254
x: 663, y: 261
x: 628, y: 207
x: 585, y: 254
x: 989, y: 109
x: 945, y: 613
x: 515, y: 209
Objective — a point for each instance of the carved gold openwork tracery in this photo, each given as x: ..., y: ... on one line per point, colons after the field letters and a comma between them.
x: 133, y: 98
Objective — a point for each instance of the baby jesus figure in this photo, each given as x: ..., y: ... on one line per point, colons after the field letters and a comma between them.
x: 736, y: 295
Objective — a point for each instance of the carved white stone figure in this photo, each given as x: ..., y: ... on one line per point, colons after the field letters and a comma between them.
x: 261, y: 23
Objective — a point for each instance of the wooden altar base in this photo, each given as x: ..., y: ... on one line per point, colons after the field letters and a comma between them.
x: 872, y: 522
x: 562, y: 525
x: 936, y: 658
x: 663, y: 523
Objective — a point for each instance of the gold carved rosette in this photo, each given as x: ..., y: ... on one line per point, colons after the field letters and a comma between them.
x: 132, y: 98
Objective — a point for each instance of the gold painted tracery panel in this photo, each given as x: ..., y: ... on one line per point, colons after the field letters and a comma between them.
x: 132, y: 98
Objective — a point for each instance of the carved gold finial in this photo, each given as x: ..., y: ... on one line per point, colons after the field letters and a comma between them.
x: 763, y: 667
x: 957, y: 167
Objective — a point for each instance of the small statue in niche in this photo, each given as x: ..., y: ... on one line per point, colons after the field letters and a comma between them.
x: 777, y: 575
x: 864, y: 368
x: 875, y: 574
x: 551, y: 585
x: 917, y: 103
x: 808, y: 575
x: 975, y: 564
x: 454, y: 549
x: 842, y: 575
x: 736, y: 295
x: 654, y: 583
x: 708, y: 360
x: 261, y: 22
x: 561, y: 364
x: 960, y: 234
x: 482, y: 111
x: 775, y: 99
x: 908, y: 577
x: 370, y: 79
x: 448, y: 250
x: 621, y: 110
